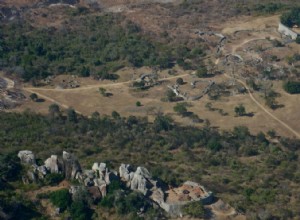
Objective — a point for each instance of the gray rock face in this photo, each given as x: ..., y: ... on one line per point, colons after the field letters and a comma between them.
x: 125, y: 171
x: 26, y: 157
x: 71, y: 166
x: 52, y: 164
x: 103, y: 190
x: 110, y: 176
x: 141, y: 180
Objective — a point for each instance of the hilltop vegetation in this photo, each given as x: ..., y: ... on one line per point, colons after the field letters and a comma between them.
x: 88, y: 45
x: 235, y: 164
x: 291, y: 17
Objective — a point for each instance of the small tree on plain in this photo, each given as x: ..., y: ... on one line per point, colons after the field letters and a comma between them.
x: 138, y: 104
x: 179, y: 81
x: 33, y: 96
x: 240, y: 110
x: 180, y: 108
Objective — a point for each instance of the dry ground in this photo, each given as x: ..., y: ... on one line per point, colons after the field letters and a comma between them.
x: 242, y: 33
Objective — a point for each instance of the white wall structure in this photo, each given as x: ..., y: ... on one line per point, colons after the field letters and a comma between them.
x: 287, y: 31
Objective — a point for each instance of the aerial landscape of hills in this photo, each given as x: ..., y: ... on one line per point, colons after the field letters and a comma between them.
x: 149, y: 109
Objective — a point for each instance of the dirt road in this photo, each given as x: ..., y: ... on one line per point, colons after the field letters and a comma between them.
x: 233, y: 50
x: 36, y: 90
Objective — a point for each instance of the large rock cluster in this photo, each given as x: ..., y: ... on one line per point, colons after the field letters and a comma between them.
x: 96, y: 180
x: 68, y: 165
x: 140, y: 180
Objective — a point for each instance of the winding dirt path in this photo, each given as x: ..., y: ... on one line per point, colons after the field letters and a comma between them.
x: 36, y: 90
x: 250, y: 94
x: 50, y: 99
x: 264, y: 109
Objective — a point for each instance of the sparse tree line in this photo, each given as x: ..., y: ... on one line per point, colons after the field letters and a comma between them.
x: 95, y: 46
x: 113, y: 138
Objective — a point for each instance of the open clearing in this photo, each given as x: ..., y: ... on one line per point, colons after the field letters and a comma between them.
x: 87, y: 99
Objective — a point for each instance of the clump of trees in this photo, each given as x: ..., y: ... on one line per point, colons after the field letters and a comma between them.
x: 181, y: 108
x: 195, y: 210
x: 166, y: 144
x: 78, y: 207
x: 291, y: 17
x: 292, y: 87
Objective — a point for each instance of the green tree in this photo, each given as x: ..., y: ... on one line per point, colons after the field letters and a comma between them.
x: 138, y: 104
x: 202, y: 72
x: 115, y: 115
x: 79, y: 210
x: 54, y: 110
x: 179, y: 81
x: 180, y: 108
x: 72, y: 115
x: 194, y: 209
x: 53, y: 179
x: 33, y: 97
x: 162, y: 122
x: 170, y: 95
x: 240, y: 110
x: 103, y: 91
x: 292, y: 87
x: 61, y: 198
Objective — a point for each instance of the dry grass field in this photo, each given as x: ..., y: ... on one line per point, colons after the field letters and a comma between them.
x: 242, y: 34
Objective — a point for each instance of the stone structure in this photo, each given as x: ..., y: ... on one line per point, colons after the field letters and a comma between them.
x: 26, y: 157
x: 52, y: 164
x: 96, y: 180
x: 287, y: 31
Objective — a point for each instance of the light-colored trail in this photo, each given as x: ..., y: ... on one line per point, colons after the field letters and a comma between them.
x: 50, y: 99
x: 36, y: 90
x: 264, y: 109
x: 99, y: 85
x: 297, y: 134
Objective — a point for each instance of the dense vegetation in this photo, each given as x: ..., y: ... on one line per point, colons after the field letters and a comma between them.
x: 86, y: 45
x: 291, y: 18
x: 248, y: 171
x: 292, y: 87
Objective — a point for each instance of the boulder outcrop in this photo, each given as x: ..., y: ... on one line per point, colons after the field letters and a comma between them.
x: 52, y: 164
x: 96, y: 181
x: 71, y: 166
x: 26, y: 157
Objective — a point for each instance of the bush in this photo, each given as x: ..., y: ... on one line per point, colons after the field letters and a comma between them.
x: 291, y: 18
x: 138, y: 104
x: 240, y: 110
x: 80, y: 211
x: 33, y: 96
x: 292, y: 87
x: 180, y: 108
x: 61, y: 199
x: 194, y: 209
x: 53, y: 179
x: 179, y: 81
x: 202, y: 72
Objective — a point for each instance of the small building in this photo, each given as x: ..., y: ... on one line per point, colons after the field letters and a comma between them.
x: 293, y: 33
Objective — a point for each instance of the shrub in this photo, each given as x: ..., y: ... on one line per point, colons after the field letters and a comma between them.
x: 138, y: 104
x: 179, y: 81
x: 292, y: 87
x: 194, y: 209
x: 53, y: 179
x: 33, y: 96
x: 180, y: 108
x: 80, y: 211
x: 61, y: 199
x: 240, y: 110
